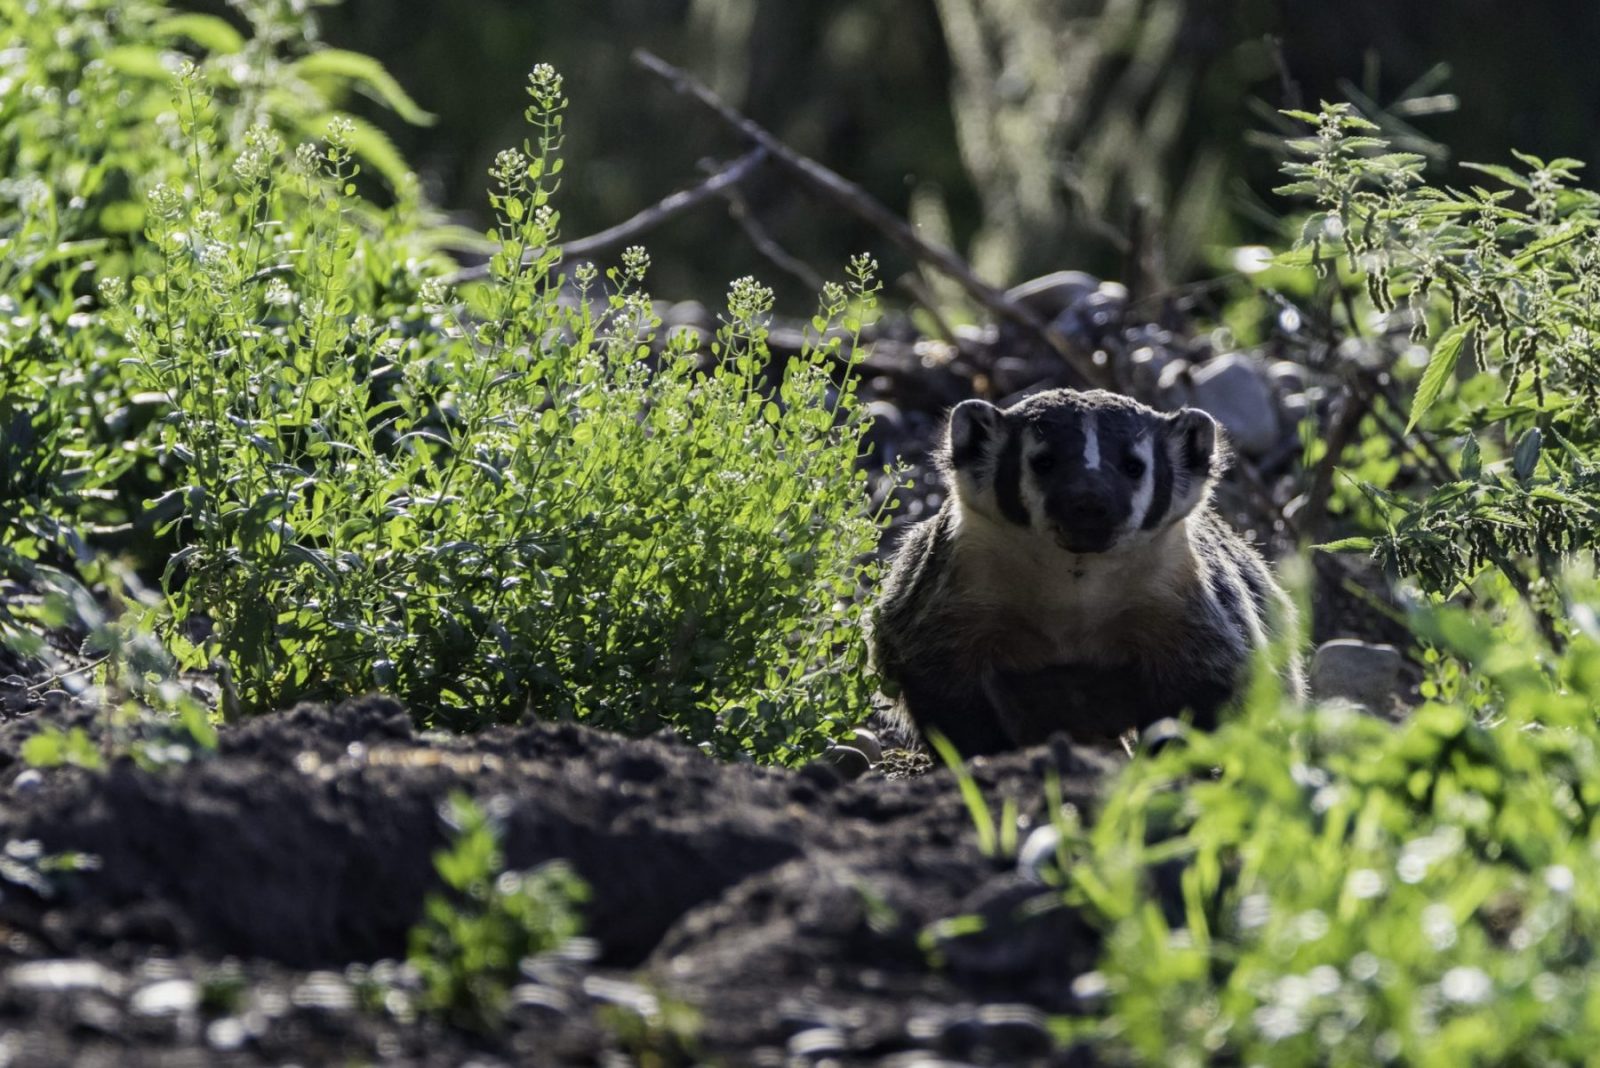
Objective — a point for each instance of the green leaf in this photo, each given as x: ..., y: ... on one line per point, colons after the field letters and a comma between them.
x: 1347, y: 545
x: 1441, y: 365
x: 1504, y: 174
x: 1299, y: 257
x: 1526, y: 457
x: 214, y: 34
x: 139, y: 60
x: 339, y: 65
x: 1471, y: 459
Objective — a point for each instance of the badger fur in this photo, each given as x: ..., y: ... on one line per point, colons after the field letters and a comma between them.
x: 1076, y: 579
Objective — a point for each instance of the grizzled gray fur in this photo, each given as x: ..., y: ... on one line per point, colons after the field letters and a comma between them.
x: 1076, y: 579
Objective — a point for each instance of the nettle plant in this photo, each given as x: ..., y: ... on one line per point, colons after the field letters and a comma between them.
x: 514, y: 502
x: 1512, y: 274
x: 1321, y: 887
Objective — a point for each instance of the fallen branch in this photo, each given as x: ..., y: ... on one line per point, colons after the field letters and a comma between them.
x: 767, y: 245
x: 646, y: 220
x: 862, y: 204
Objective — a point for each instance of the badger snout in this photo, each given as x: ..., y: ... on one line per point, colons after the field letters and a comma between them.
x: 1086, y: 518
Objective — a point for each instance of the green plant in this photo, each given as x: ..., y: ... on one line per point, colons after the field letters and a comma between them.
x: 471, y: 940
x: 1354, y: 891
x: 1513, y: 277
x: 506, y: 503
x: 994, y: 839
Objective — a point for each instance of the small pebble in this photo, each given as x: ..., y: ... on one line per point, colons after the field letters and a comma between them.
x: 867, y: 742
x: 169, y: 997
x: 1037, y: 858
x: 818, y: 1043
x: 56, y: 976
x: 1015, y: 1032
x: 849, y: 762
x: 1363, y: 672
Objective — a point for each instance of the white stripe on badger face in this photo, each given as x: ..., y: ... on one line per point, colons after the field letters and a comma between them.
x: 1091, y: 444
x: 1145, y: 449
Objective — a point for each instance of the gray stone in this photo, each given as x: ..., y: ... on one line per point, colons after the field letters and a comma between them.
x: 1037, y: 857
x: 1363, y: 672
x: 60, y: 976
x: 1145, y: 365
x: 1015, y: 1032
x: 1174, y: 386
x: 1233, y: 388
x: 169, y: 997
x: 1051, y: 294
x: 867, y: 742
x: 849, y: 762
x: 1288, y: 376
x: 818, y: 1043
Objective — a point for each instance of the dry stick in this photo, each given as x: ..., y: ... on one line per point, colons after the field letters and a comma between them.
x: 767, y: 245
x: 1357, y: 403
x: 648, y: 219
x: 914, y: 283
x: 861, y: 203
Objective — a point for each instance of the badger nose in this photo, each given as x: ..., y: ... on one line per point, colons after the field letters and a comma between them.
x: 1088, y: 507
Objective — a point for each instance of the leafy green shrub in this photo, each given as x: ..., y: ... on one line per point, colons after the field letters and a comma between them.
x: 85, y: 129
x: 468, y: 946
x: 504, y: 504
x: 1514, y: 274
x: 1358, y: 892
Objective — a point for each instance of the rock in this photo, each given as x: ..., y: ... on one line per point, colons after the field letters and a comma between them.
x: 817, y: 1044
x: 65, y: 975
x: 867, y: 742
x: 1015, y: 1033
x: 1288, y: 376
x: 1093, y: 319
x: 169, y: 997
x: 31, y: 779
x: 1037, y: 857
x: 885, y: 435
x: 1162, y: 733
x: 1295, y: 409
x: 1175, y: 386
x: 849, y: 762
x: 1051, y: 294
x: 1145, y: 366
x: 690, y: 313
x: 1234, y: 390
x: 1363, y: 672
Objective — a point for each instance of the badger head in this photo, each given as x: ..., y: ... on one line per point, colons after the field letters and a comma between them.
x: 1093, y: 471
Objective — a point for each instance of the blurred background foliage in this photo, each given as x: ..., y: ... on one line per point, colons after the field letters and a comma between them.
x: 1032, y: 134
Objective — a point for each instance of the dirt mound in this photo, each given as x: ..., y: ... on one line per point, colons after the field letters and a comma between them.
x: 788, y: 909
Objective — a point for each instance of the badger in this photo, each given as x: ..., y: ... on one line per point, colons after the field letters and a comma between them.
x: 1076, y: 579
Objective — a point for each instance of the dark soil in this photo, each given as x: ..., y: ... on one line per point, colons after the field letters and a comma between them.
x: 241, y: 897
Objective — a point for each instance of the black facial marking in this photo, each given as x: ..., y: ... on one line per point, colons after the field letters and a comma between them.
x: 1008, y: 481
x: 1161, y: 486
x: 969, y: 451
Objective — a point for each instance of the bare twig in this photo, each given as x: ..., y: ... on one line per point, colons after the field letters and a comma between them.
x: 1357, y: 404
x: 862, y: 204
x: 915, y: 284
x: 648, y: 219
x: 767, y: 245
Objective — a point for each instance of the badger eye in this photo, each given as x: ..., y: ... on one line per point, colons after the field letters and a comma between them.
x: 1044, y: 463
x: 1133, y: 467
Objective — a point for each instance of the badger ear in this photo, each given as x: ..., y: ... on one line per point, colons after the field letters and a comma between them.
x: 1197, y: 449
x: 974, y: 424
